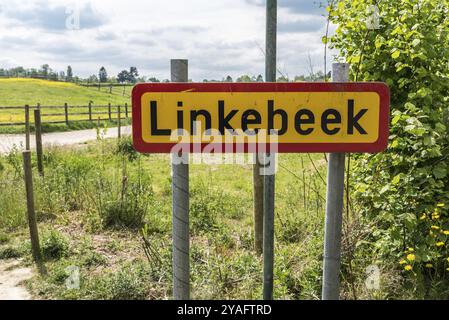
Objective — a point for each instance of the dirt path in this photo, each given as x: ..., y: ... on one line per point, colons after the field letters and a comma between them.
x: 11, y: 278
x: 7, y: 141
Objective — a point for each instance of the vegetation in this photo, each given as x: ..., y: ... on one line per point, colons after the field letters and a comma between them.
x: 21, y: 91
x: 402, y: 194
x: 107, y: 210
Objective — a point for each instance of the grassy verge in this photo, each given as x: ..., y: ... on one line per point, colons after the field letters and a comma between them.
x: 62, y: 127
x: 106, y: 211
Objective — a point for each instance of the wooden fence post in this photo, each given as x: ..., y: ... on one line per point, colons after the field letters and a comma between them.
x: 110, y: 88
x: 66, y: 111
x: 90, y: 111
x: 27, y: 127
x: 32, y: 223
x: 119, y: 122
x: 109, y: 111
x: 126, y: 110
x: 38, y: 132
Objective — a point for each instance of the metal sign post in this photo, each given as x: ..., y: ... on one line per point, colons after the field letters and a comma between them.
x: 334, y: 209
x: 269, y: 177
x: 180, y: 187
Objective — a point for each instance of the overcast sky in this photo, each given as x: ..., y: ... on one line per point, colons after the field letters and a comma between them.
x: 219, y: 37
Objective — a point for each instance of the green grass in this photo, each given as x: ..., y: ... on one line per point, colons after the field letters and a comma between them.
x: 19, y: 92
x: 107, y: 210
x: 62, y: 127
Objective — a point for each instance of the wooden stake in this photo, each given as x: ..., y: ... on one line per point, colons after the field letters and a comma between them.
x: 27, y: 127
x: 38, y: 131
x: 32, y: 223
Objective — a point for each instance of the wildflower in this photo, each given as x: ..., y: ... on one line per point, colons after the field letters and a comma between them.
x: 404, y: 262
x: 447, y: 259
x: 440, y: 244
x: 423, y: 217
x: 435, y: 227
x: 409, y: 267
x: 411, y: 249
x: 440, y: 205
x: 429, y: 265
x: 446, y: 232
x: 411, y: 257
x: 435, y: 216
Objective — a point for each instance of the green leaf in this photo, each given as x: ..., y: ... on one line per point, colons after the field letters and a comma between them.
x: 440, y: 171
x: 396, y: 179
x: 394, y: 144
x: 416, y: 42
x: 384, y: 189
x: 396, y: 54
x: 396, y: 119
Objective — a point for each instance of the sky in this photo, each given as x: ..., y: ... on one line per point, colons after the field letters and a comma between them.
x: 218, y: 37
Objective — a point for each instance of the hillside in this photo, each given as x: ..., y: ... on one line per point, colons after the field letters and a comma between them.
x: 21, y: 91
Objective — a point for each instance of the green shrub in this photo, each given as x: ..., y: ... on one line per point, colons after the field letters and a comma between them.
x: 128, y: 284
x: 4, y: 238
x: 208, y: 203
x: 127, y: 209
x: 10, y: 253
x: 58, y: 273
x: 12, y: 203
x: 54, y: 245
x: 403, y: 192
x: 125, y: 147
x: 92, y: 258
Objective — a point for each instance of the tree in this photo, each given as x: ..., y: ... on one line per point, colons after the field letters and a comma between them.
x: 259, y: 78
x: 244, y: 78
x: 69, y: 74
x: 132, y: 75
x: 228, y: 79
x: 153, y: 79
x: 92, y: 79
x: 123, y: 76
x: 282, y: 79
x: 45, y: 69
x: 128, y: 76
x: 103, y: 75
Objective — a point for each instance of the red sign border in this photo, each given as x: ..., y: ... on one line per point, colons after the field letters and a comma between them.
x: 379, y: 87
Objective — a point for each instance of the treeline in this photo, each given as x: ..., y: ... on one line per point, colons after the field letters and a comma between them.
x: 44, y: 72
x: 313, y: 77
x: 131, y: 76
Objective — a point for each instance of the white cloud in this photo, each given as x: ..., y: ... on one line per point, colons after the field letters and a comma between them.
x: 219, y: 37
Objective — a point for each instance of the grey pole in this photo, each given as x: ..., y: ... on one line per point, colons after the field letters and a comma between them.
x: 258, y: 206
x: 269, y: 177
x: 180, y: 188
x: 334, y: 209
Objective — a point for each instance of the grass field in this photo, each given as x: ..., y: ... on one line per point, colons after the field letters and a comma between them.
x: 107, y: 210
x: 20, y: 91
